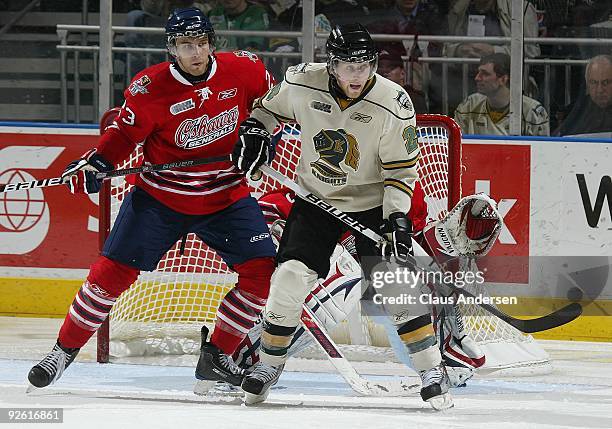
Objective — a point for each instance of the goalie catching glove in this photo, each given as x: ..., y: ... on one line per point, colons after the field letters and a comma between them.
x: 398, y: 232
x: 253, y: 148
x: 80, y: 175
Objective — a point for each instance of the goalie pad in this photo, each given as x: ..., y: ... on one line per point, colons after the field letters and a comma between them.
x: 331, y: 300
x: 467, y: 232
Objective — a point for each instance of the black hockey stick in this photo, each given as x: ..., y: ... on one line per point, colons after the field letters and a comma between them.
x: 557, y: 318
x: 55, y: 181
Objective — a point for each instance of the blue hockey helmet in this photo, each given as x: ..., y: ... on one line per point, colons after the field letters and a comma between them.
x: 188, y: 22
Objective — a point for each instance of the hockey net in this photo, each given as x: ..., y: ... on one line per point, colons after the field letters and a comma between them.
x: 162, y: 313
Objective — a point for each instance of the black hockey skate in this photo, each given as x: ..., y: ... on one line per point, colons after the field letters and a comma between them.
x: 257, y: 384
x: 434, y: 388
x: 51, y: 368
x: 214, y: 367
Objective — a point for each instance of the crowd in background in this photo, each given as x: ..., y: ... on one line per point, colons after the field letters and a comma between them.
x: 403, y: 62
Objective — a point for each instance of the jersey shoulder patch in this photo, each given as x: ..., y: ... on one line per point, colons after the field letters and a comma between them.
x: 145, y: 82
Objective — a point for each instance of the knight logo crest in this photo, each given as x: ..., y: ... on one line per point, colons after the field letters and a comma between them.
x: 334, y: 147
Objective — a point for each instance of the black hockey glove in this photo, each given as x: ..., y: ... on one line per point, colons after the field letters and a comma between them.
x: 80, y: 175
x: 253, y: 147
x: 398, y: 232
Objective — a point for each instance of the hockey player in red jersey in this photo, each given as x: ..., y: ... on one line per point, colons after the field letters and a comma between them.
x: 185, y: 109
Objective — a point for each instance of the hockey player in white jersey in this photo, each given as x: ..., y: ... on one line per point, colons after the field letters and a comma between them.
x: 359, y: 153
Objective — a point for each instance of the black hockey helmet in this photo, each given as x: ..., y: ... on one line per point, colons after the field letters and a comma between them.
x: 188, y: 22
x: 351, y: 43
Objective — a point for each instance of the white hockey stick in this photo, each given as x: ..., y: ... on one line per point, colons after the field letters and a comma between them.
x: 398, y: 386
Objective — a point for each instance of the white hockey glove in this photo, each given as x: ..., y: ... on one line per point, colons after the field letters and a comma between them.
x: 253, y: 148
x: 80, y: 175
x: 398, y: 232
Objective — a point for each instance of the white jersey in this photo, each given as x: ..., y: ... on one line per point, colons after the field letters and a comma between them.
x: 356, y: 158
x: 474, y: 117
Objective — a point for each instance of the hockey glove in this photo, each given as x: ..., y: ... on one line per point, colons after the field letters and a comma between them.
x: 253, y: 148
x: 80, y: 175
x: 398, y: 232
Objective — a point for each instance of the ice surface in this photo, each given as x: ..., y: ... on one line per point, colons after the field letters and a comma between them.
x: 578, y: 394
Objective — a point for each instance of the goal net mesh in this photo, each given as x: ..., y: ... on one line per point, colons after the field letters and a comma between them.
x: 162, y: 313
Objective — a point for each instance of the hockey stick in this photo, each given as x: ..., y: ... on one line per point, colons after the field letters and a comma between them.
x: 557, y: 318
x: 55, y: 181
x: 396, y: 387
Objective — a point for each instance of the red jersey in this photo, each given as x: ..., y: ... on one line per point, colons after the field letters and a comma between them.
x: 176, y: 120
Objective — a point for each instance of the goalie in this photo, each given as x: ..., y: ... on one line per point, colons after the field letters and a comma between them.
x: 333, y: 298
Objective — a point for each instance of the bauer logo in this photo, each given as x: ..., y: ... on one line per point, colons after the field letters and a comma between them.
x: 24, y: 213
x: 182, y: 106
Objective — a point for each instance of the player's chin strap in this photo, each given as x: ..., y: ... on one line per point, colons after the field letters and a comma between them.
x: 557, y: 318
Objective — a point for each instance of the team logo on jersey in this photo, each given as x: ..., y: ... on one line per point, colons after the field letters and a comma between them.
x: 182, y: 106
x: 272, y: 93
x: 320, y: 106
x: 246, y: 54
x: 300, y: 68
x: 198, y: 132
x: 139, y: 85
x: 228, y: 93
x: 203, y: 93
x: 404, y: 101
x: 334, y: 147
x: 360, y: 117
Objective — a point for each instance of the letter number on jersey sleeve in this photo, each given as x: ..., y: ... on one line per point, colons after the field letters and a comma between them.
x: 131, y: 117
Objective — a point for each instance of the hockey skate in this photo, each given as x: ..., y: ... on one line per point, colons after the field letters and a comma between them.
x: 257, y: 384
x: 434, y: 388
x: 216, y: 371
x: 51, y: 368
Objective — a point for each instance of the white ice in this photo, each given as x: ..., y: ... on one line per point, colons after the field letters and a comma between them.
x: 578, y: 394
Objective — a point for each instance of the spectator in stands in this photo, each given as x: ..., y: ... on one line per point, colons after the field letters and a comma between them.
x: 239, y: 15
x: 392, y: 66
x: 488, y: 18
x: 204, y: 5
x: 149, y: 15
x: 487, y: 111
x: 592, y: 112
x: 417, y: 17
